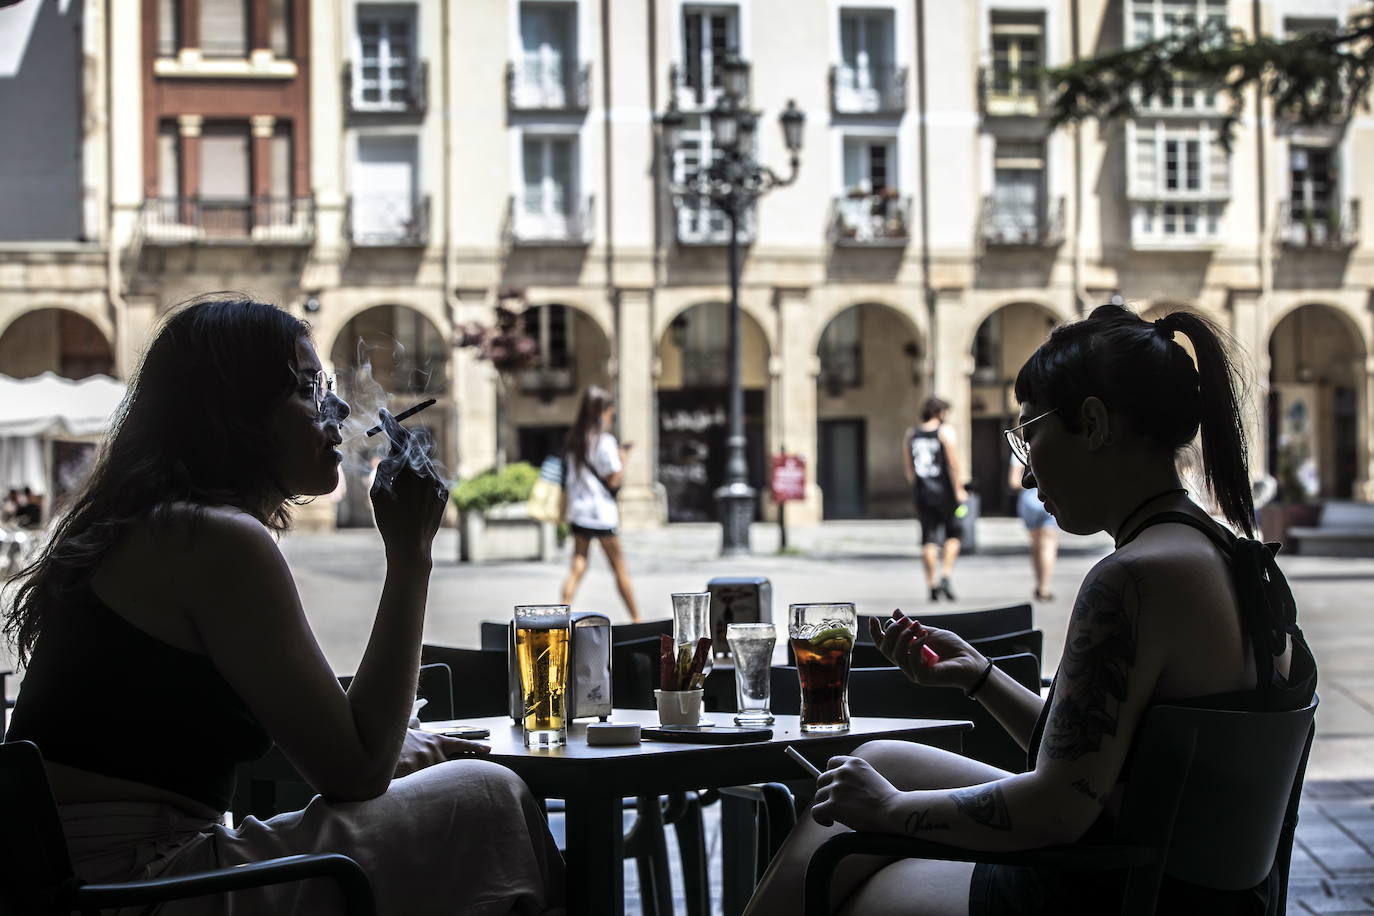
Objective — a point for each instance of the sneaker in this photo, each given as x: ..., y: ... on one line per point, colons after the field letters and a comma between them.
x: 945, y: 590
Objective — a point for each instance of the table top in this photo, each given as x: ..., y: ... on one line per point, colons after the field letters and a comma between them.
x: 659, y: 766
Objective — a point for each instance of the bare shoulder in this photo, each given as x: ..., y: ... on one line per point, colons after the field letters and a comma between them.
x: 1174, y: 570
x: 201, y: 536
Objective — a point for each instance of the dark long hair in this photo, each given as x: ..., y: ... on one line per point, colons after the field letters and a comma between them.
x: 192, y: 428
x: 595, y: 400
x: 1138, y: 369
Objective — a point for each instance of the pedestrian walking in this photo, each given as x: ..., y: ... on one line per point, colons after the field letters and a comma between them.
x: 932, y: 468
x: 1044, y: 533
x: 595, y: 465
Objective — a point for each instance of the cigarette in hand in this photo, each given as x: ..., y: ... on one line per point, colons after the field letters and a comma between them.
x: 805, y: 764
x: 404, y: 415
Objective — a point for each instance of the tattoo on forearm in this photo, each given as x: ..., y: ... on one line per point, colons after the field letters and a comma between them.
x: 1082, y: 786
x: 1097, y: 664
x: 923, y: 820
x: 986, y: 805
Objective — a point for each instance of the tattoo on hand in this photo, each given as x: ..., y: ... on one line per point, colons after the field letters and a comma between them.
x: 986, y: 805
x: 1097, y: 664
x: 921, y: 820
x: 1082, y: 786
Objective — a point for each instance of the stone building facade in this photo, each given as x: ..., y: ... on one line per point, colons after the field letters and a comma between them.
x: 390, y: 169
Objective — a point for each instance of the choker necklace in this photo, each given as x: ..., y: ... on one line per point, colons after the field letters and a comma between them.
x: 1141, y: 505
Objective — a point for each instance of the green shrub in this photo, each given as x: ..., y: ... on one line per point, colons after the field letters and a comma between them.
x: 492, y: 488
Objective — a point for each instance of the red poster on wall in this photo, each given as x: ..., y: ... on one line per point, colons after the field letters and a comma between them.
x: 787, y: 478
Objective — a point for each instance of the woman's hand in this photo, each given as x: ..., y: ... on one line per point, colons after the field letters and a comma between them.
x: 901, y: 640
x: 851, y: 792
x: 408, y: 504
x: 424, y: 749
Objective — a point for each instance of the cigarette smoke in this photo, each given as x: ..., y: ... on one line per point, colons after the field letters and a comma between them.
x: 365, y: 396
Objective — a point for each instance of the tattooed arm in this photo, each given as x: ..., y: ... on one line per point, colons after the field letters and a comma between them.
x: 1100, y: 693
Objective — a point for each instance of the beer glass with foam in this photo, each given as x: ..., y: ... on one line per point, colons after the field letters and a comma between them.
x: 542, y: 634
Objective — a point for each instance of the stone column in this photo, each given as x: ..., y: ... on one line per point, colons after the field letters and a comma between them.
x: 1247, y: 326
x: 954, y: 368
x: 795, y: 404
x: 474, y: 387
x: 642, y: 504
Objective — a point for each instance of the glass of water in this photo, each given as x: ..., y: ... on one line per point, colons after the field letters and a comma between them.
x: 752, y: 646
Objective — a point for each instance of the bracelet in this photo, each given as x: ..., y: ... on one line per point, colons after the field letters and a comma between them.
x: 982, y: 679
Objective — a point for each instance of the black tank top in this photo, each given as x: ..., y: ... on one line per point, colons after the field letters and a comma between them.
x: 933, y: 483
x: 104, y: 696
x: 1268, y: 615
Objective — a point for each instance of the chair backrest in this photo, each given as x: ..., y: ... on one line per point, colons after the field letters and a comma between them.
x: 478, y: 680
x: 630, y: 632
x: 1014, y: 618
x: 887, y: 692
x: 34, y: 863
x: 494, y: 634
x: 634, y: 672
x: 866, y: 655
x: 1213, y: 787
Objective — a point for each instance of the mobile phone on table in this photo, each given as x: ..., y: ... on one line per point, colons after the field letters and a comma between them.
x: 697, y: 734
x: 456, y: 730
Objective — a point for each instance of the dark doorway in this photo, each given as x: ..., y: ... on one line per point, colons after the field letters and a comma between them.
x: 691, y: 449
x: 991, y: 459
x: 843, y: 468
x: 1345, y: 420
x: 535, y: 443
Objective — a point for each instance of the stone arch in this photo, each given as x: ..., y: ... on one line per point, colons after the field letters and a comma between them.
x: 868, y: 392
x: 388, y: 355
x: 55, y: 338
x: 1060, y: 315
x: 1317, y: 437
x: 913, y: 319
x: 762, y: 318
x: 692, y: 405
x: 543, y: 400
x: 1002, y: 340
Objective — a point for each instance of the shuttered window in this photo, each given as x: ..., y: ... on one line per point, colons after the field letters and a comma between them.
x: 224, y: 28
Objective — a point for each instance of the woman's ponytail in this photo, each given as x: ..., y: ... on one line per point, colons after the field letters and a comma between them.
x: 1224, y: 456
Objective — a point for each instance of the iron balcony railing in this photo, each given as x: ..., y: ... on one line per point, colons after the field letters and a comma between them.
x: 1333, y: 225
x: 1008, y: 226
x: 204, y: 220
x: 696, y: 88
x: 841, y: 367
x: 1011, y: 93
x: 557, y: 374
x: 699, y: 223
x: 415, y: 99
x: 380, y: 220
x: 868, y: 89
x: 535, y: 84
x: 871, y: 220
x: 537, y: 226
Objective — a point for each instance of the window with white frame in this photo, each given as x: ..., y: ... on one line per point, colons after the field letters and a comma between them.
x: 1313, y: 193
x: 870, y: 187
x: 551, y: 326
x: 698, y: 220
x: 1154, y: 19
x: 384, y: 51
x: 709, y: 34
x: 1180, y: 181
x: 548, y: 199
x: 224, y: 28
x: 1017, y: 213
x: 385, y: 188
x: 865, y: 76
x: 1018, y: 53
x: 548, y: 54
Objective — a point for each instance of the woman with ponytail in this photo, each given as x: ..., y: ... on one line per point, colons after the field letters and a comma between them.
x: 1181, y: 612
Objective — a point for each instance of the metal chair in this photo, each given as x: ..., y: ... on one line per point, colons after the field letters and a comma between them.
x: 36, y: 875
x: 866, y: 655
x: 1212, y: 800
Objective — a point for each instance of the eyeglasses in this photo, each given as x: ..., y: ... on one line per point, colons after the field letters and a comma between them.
x: 1017, y: 439
x: 321, y: 387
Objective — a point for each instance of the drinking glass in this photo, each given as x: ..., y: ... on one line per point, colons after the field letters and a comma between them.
x: 752, y: 645
x: 542, y: 634
x: 822, y: 640
x: 692, y: 621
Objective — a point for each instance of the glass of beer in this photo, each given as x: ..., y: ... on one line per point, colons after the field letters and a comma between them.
x: 541, y: 650
x: 822, y: 638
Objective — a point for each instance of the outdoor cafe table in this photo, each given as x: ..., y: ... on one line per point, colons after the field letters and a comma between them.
x: 593, y: 780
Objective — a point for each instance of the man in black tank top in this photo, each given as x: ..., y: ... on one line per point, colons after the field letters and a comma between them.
x: 932, y: 467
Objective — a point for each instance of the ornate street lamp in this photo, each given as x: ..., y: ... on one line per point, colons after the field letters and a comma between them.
x: 732, y: 180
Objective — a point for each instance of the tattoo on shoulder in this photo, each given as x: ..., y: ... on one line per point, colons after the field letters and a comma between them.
x: 1097, y: 665
x: 984, y: 804
x: 1082, y: 786
x: 922, y: 819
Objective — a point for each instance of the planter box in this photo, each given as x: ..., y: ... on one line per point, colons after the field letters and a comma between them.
x: 506, y: 533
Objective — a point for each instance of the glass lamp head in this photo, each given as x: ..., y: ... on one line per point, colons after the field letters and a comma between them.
x: 792, y: 121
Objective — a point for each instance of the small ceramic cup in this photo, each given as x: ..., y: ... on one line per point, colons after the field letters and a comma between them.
x: 679, y: 707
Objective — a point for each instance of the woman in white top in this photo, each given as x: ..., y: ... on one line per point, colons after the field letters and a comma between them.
x: 595, y: 466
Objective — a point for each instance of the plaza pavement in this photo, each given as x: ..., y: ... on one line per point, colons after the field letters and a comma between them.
x: 875, y: 564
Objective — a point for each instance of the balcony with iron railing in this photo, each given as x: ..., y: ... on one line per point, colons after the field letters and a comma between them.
x: 1332, y: 226
x: 875, y: 90
x: 877, y: 220
x: 228, y: 221
x: 1011, y: 93
x: 696, y: 88
x: 841, y: 367
x: 537, y: 226
x: 556, y: 374
x: 534, y: 84
x: 387, y: 220
x: 1002, y: 225
x: 1182, y: 98
x: 414, y: 100
x: 702, y: 224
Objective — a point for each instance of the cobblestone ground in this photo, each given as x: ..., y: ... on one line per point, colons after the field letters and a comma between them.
x: 875, y: 564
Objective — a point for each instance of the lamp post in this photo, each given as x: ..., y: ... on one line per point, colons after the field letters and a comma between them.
x: 732, y: 180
